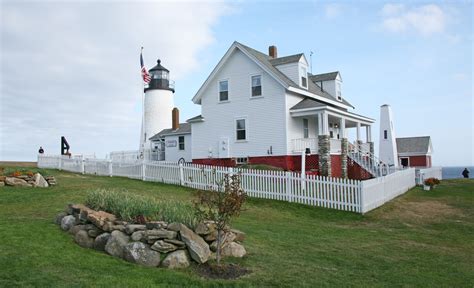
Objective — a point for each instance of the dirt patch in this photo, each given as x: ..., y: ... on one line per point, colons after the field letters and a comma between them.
x: 425, y: 211
x: 226, y: 271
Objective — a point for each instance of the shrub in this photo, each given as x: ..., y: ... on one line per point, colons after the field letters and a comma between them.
x: 137, y: 208
x: 432, y: 182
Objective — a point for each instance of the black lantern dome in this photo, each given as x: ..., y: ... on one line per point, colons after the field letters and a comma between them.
x: 160, y: 78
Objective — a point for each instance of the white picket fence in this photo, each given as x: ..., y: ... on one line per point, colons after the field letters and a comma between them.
x: 336, y: 193
x: 424, y: 173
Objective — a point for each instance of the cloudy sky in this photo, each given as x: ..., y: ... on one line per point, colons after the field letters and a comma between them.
x: 72, y: 68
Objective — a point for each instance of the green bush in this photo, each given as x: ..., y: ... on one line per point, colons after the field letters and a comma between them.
x: 130, y: 207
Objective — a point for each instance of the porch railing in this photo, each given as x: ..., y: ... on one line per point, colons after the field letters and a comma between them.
x: 300, y: 145
x: 336, y: 146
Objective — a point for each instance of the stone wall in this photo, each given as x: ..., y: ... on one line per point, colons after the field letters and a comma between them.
x: 146, y: 244
x: 344, y: 155
x: 324, y: 152
x: 28, y: 180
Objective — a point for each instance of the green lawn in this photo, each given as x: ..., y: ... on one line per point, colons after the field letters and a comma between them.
x: 420, y: 239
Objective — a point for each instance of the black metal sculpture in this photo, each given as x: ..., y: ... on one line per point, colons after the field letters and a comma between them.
x: 64, y: 146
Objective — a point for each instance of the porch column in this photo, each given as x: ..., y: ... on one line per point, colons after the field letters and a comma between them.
x: 368, y: 132
x: 344, y: 147
x: 324, y: 146
x: 320, y: 124
x: 358, y: 131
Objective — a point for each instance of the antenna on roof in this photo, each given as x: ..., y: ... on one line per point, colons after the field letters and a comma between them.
x: 311, y: 61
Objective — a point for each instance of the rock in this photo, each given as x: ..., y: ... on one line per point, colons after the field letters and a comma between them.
x: 130, y: 228
x: 59, y: 217
x: 120, y: 222
x: 83, y: 239
x: 77, y: 228
x: 117, y: 241
x: 226, y: 239
x: 205, y: 228
x: 177, y: 243
x: 156, y: 225
x: 211, y: 237
x: 234, y: 250
x: 160, y: 234
x: 138, y: 235
x: 24, y: 177
x: 78, y: 208
x: 137, y: 252
x: 101, y: 240
x: 39, y: 181
x: 12, y: 181
x: 67, y: 222
x: 2, y: 184
x: 174, y: 226
x: 94, y: 232
x: 2, y: 178
x: 197, y: 247
x: 239, y: 235
x: 163, y: 247
x: 177, y: 259
x: 99, y: 218
x: 68, y: 209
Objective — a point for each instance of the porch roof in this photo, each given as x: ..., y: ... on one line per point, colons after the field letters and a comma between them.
x: 184, y: 128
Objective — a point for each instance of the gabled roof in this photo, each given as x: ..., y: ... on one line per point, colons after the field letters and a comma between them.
x: 286, y: 59
x: 307, y: 103
x: 324, y: 77
x: 264, y: 61
x: 414, y: 145
x: 197, y: 118
x: 184, y: 128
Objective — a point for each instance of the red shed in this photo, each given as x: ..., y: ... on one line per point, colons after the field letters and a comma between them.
x: 414, y: 151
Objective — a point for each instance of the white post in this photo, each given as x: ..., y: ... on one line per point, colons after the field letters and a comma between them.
x: 320, y: 124
x: 82, y: 165
x: 369, y: 133
x: 60, y: 164
x: 358, y: 131
x: 143, y: 169
x: 110, y: 167
x: 303, y: 170
x: 289, y: 196
x: 343, y: 128
x: 361, y: 198
x: 181, y: 174
x: 325, y: 123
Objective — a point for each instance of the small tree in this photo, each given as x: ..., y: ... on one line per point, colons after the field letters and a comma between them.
x: 221, y: 205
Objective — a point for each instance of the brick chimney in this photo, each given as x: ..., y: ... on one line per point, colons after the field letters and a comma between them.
x: 175, y: 118
x: 272, y: 52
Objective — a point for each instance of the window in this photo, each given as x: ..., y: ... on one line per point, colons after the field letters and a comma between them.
x: 181, y: 142
x: 223, y: 90
x: 256, y: 85
x: 339, y: 93
x: 331, y: 134
x: 384, y: 134
x: 305, y: 128
x: 240, y: 129
x: 241, y: 160
x: 304, y: 76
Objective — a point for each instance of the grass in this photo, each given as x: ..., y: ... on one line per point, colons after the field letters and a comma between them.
x: 423, y: 238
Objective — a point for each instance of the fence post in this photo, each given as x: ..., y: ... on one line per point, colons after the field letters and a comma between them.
x: 361, y: 196
x: 143, y: 169
x: 181, y: 174
x: 110, y: 167
x: 83, y: 165
x: 289, y: 196
x: 60, y: 163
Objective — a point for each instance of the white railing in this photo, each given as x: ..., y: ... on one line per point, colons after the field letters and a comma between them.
x: 369, y: 161
x: 300, y: 145
x: 424, y: 173
x: 335, y: 146
x: 336, y: 193
x: 378, y: 191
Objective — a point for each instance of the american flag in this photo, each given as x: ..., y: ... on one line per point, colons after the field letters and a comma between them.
x: 145, y: 75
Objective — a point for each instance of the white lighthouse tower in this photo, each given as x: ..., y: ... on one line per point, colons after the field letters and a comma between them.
x: 387, y: 144
x: 158, y: 104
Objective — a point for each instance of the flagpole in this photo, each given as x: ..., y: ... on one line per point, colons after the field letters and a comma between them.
x: 143, y: 112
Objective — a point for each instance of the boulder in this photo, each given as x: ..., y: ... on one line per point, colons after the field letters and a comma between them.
x: 234, y: 250
x: 137, y: 252
x: 94, y: 232
x: 59, y: 217
x: 211, y: 237
x: 99, y: 218
x: 138, y: 235
x: 156, y: 225
x: 68, y: 209
x: 2, y: 183
x: 156, y: 234
x: 67, y: 222
x: 130, y: 228
x: 76, y: 209
x: 226, y: 239
x: 239, y: 235
x: 39, y: 181
x: 12, y: 181
x: 101, y: 240
x: 197, y: 247
x: 83, y: 239
x: 117, y: 241
x: 177, y: 259
x: 205, y: 228
x: 163, y: 247
x: 77, y: 228
x: 174, y: 226
x: 177, y: 243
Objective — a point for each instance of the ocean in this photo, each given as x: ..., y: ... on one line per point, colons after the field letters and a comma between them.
x: 455, y: 172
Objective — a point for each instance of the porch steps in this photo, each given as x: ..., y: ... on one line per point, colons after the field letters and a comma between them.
x: 368, y: 161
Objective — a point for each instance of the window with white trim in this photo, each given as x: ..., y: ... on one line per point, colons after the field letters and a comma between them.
x: 240, y: 129
x: 304, y: 77
x: 181, y: 142
x: 305, y: 128
x: 256, y: 85
x: 224, y: 90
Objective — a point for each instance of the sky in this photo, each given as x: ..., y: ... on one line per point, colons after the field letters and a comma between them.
x: 72, y: 68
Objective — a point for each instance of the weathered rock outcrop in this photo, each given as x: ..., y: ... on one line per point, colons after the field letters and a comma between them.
x: 197, y: 247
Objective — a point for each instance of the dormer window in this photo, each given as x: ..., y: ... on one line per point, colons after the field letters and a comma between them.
x: 338, y: 92
x: 304, y: 77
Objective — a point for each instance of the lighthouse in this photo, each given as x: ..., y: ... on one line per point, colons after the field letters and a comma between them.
x: 158, y: 104
x: 387, y: 145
